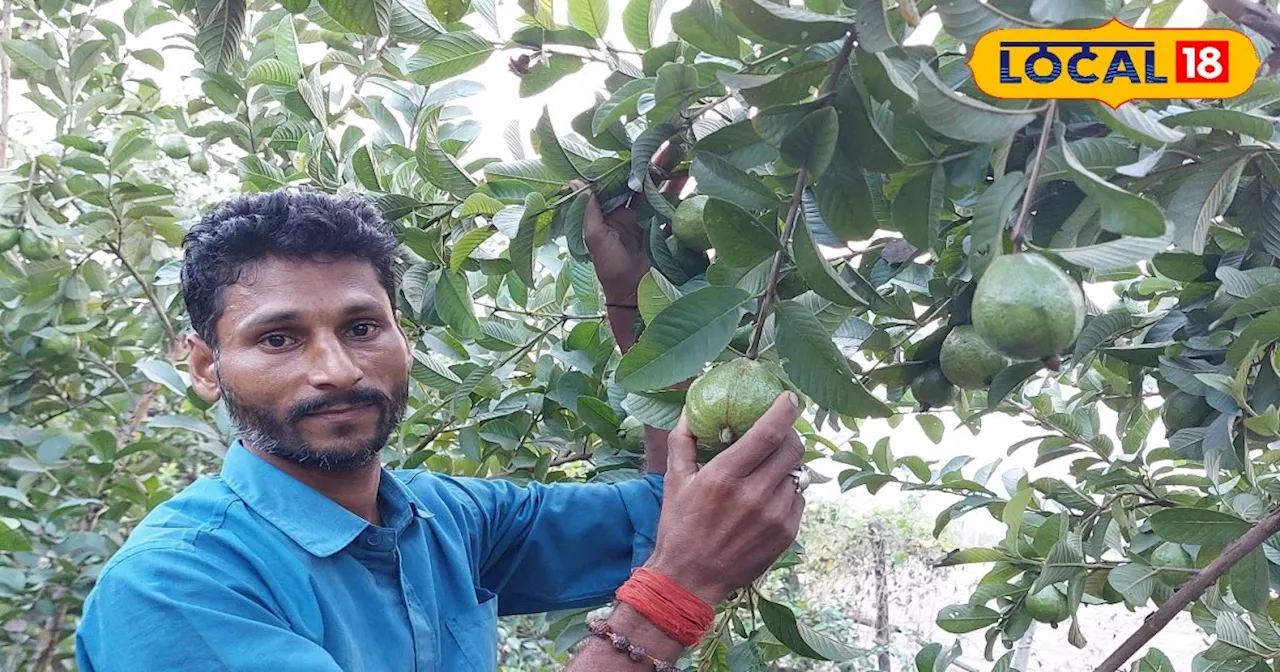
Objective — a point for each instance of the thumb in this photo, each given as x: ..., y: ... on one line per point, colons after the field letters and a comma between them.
x: 682, y: 453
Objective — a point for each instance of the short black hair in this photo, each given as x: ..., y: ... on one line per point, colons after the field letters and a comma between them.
x: 294, y: 225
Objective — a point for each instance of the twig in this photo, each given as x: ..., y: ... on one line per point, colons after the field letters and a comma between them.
x: 771, y: 287
x: 1049, y: 115
x: 49, y: 638
x: 1154, y: 623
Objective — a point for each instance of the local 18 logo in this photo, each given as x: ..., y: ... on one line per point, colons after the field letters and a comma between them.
x: 1114, y: 63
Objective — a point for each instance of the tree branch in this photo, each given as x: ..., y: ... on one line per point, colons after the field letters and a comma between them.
x: 49, y: 638
x: 1050, y: 114
x: 1185, y: 595
x: 771, y: 287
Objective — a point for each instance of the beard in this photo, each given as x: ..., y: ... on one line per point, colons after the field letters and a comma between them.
x: 259, y: 426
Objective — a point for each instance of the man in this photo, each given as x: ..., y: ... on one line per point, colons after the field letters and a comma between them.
x: 306, y: 554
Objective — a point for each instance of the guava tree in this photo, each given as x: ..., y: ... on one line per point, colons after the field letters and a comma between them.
x: 857, y: 192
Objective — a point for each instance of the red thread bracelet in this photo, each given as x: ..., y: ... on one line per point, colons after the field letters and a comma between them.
x: 674, y: 610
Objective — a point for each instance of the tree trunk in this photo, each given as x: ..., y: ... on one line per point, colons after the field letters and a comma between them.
x: 1022, y: 658
x: 881, y: 563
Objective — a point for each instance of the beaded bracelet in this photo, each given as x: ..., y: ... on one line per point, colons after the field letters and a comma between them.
x: 601, y: 628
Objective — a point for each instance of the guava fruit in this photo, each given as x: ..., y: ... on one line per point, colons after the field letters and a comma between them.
x: 60, y: 343
x: 9, y: 238
x: 1174, y: 556
x: 1026, y: 308
x: 175, y: 147
x: 688, y: 226
x: 967, y: 361
x: 33, y: 247
x: 1048, y: 606
x: 932, y: 389
x: 1182, y: 410
x: 723, y: 403
x: 631, y: 434
x: 198, y: 162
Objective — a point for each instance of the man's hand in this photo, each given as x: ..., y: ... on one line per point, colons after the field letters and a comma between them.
x: 617, y: 247
x: 724, y: 525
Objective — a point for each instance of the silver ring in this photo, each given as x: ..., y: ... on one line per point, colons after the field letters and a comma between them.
x: 802, y: 478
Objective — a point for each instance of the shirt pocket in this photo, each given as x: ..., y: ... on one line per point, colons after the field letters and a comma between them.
x: 474, y: 635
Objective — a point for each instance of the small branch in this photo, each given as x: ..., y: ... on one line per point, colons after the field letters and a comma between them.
x: 838, y: 66
x: 150, y: 293
x: 49, y: 638
x: 5, y: 80
x: 1050, y: 115
x: 1185, y: 595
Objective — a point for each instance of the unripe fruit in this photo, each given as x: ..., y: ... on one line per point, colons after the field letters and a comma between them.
x: 932, y: 389
x: 688, y: 225
x: 1026, y: 308
x: 33, y: 247
x: 967, y: 361
x: 1173, y: 556
x: 726, y: 401
x: 1048, y: 606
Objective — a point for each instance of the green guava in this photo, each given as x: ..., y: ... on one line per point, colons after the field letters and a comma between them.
x: 1182, y: 410
x: 688, y: 225
x: 9, y: 238
x: 1173, y: 556
x: 1048, y: 606
x: 1026, y: 308
x: 61, y: 344
x: 967, y: 361
x: 175, y: 147
x: 33, y: 247
x: 198, y: 162
x: 726, y: 401
x: 932, y: 389
x: 631, y: 434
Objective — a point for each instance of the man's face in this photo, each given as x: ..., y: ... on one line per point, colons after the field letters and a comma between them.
x: 312, y: 364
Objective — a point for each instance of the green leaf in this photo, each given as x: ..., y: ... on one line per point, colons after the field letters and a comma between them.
x: 13, y: 540
x: 28, y: 56
x: 990, y: 214
x: 621, y: 104
x: 368, y: 17
x: 738, y: 238
x: 1007, y: 380
x: 1117, y: 254
x: 785, y: 24
x: 479, y: 203
x: 967, y: 20
x: 1202, y: 197
x: 221, y: 27
x: 645, y: 146
x: 530, y: 171
x: 1197, y: 527
x: 522, y: 245
x: 589, y: 16
x: 969, y: 556
x: 582, y: 278
x: 701, y: 25
x: 1232, y: 121
x: 640, y: 20
x: 453, y: 302
x: 1266, y: 298
x: 598, y: 417
x: 961, y: 618
x: 1097, y: 155
x: 873, y: 27
x: 660, y: 410
x: 440, y: 166
x: 1122, y: 212
x: 1250, y: 582
x: 1261, y: 332
x: 844, y: 202
x: 553, y: 155
x: 467, y: 244
x: 918, y: 205
x: 682, y: 339
x: 1135, y: 581
x: 677, y: 86
x: 720, y: 179
x: 1264, y: 92
x: 776, y: 89
x: 1130, y: 121
x: 814, y: 364
x: 798, y: 637
x: 160, y: 371
x: 817, y: 273
x: 812, y: 143
x: 273, y: 73
x: 963, y: 118
x: 932, y: 426
x: 1100, y: 330
x: 448, y: 55
x: 545, y: 74
x: 412, y: 21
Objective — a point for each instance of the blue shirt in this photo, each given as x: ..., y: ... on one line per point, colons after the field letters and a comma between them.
x: 253, y: 570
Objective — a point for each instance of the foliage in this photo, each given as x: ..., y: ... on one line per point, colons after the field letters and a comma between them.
x: 878, y: 158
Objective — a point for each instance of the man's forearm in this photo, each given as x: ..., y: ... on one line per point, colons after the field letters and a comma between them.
x: 597, y: 654
x: 655, y: 440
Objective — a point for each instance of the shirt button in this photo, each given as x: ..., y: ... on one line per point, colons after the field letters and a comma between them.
x: 373, y: 540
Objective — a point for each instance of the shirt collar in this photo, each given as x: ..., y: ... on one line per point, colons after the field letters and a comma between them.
x: 315, y: 522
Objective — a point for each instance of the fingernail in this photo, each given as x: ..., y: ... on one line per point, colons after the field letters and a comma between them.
x: 791, y: 399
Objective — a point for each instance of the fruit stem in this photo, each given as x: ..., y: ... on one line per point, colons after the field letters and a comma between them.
x: 838, y: 66
x: 1050, y: 114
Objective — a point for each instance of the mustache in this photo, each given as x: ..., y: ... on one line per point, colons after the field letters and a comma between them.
x: 360, y: 396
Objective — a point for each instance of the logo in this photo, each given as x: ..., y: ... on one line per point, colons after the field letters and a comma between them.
x: 1113, y: 63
